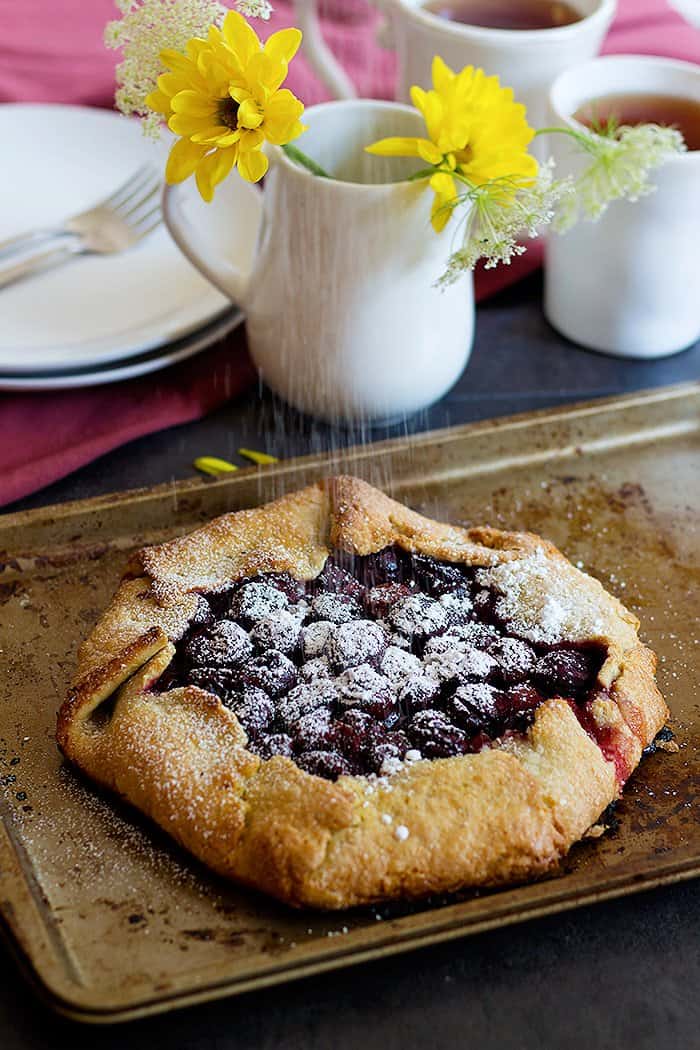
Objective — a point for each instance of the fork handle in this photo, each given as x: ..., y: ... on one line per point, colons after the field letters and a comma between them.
x: 31, y: 239
x: 37, y: 262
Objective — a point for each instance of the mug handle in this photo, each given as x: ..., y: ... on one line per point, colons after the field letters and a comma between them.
x: 321, y: 59
x: 222, y: 274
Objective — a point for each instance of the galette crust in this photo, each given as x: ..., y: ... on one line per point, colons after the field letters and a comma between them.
x: 508, y: 813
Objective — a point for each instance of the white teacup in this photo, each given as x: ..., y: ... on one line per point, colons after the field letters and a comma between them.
x: 629, y: 284
x: 344, y: 320
x: 526, y: 60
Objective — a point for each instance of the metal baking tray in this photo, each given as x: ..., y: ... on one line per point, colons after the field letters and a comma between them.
x: 112, y: 920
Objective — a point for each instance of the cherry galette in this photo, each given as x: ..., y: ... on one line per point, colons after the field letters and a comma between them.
x: 337, y: 700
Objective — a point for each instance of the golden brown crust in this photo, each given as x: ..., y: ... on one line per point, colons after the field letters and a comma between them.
x: 132, y: 612
x: 296, y: 533
x: 508, y: 813
x: 289, y: 535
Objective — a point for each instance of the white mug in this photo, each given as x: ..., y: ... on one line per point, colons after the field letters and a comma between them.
x: 629, y: 284
x: 343, y: 317
x: 526, y: 60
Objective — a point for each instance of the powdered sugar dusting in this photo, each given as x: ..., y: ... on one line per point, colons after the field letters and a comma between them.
x: 407, y: 660
x: 543, y: 601
x: 398, y: 664
x: 315, y: 638
x: 455, y: 664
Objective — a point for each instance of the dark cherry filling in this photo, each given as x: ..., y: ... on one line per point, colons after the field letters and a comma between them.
x: 379, y: 659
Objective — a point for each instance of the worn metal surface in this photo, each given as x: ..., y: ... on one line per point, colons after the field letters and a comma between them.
x: 113, y: 920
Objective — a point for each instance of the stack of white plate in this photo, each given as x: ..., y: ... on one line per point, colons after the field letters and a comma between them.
x: 99, y: 319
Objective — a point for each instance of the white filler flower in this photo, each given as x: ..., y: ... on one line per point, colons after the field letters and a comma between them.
x: 146, y: 28
x: 255, y: 8
x: 499, y: 212
x: 622, y: 161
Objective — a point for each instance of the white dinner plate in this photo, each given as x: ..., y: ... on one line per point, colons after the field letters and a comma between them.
x: 142, y: 364
x: 58, y: 160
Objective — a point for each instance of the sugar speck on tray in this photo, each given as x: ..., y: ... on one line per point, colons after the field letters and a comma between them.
x: 401, y: 832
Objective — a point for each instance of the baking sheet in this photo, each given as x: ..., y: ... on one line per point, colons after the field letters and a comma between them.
x: 112, y: 920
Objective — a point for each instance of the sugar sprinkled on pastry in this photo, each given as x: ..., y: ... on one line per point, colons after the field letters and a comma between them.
x: 336, y: 700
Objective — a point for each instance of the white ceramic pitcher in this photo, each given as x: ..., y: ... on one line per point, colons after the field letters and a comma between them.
x: 343, y: 317
x: 526, y: 60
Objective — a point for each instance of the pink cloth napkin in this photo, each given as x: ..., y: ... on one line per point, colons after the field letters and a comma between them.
x: 51, y: 50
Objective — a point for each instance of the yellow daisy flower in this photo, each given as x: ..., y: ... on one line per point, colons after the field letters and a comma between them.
x: 476, y: 133
x: 224, y: 98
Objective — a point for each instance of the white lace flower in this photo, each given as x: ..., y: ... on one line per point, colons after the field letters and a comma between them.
x: 622, y: 162
x: 146, y: 28
x: 255, y: 8
x: 499, y: 213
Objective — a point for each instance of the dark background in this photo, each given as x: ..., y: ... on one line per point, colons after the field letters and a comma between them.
x: 624, y: 975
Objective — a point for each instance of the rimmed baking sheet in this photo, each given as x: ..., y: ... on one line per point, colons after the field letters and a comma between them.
x: 113, y: 921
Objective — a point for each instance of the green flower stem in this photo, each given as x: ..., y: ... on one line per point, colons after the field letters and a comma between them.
x: 295, y: 154
x: 588, y: 140
x: 557, y: 130
x: 424, y: 173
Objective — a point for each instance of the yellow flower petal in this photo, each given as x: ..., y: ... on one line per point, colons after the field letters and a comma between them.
x: 240, y: 36
x: 440, y: 215
x: 228, y: 140
x: 213, y: 466
x: 250, y: 140
x: 176, y: 61
x: 282, y: 115
x: 184, y: 124
x: 263, y: 72
x: 434, y: 114
x: 283, y: 45
x: 171, y: 83
x: 213, y: 169
x: 249, y: 114
x: 183, y: 160
x: 442, y: 75
x: 218, y: 136
x: 395, y: 147
x: 294, y: 132
x: 428, y: 151
x: 443, y: 184
x: 158, y: 102
x: 418, y: 97
x: 194, y: 47
x: 193, y: 104
x: 261, y: 458
x: 252, y: 165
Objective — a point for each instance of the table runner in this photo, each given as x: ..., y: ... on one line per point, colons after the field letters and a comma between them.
x: 51, y: 51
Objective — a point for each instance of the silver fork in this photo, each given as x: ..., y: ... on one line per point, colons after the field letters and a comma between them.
x: 115, y: 224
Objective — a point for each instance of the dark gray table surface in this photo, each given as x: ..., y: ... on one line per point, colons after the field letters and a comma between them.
x: 624, y: 975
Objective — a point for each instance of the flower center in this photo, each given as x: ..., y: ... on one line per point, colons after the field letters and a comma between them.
x: 227, y: 113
